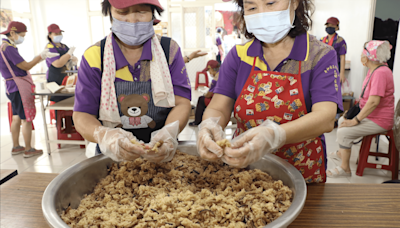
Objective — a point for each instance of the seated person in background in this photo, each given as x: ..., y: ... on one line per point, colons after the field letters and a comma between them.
x: 376, y: 104
x: 213, y: 68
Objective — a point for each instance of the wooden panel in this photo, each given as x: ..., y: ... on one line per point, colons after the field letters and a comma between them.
x: 21, y: 200
x: 351, y: 205
x: 329, y: 205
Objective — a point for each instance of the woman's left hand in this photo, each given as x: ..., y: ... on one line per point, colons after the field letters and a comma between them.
x: 254, y: 143
x: 197, y: 54
x: 168, y: 136
x: 349, y: 123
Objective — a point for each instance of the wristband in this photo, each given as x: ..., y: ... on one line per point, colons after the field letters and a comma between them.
x: 188, y: 58
x: 357, y: 119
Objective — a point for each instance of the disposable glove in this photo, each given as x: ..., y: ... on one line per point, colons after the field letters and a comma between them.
x: 74, y: 61
x: 116, y: 144
x: 209, y: 133
x: 71, y: 51
x: 47, y: 54
x: 168, y: 137
x: 250, y: 146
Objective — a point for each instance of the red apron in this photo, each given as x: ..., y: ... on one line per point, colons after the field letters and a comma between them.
x: 279, y: 97
x: 26, y: 87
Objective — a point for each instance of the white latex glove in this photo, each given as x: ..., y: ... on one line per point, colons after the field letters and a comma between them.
x: 47, y: 54
x: 209, y: 133
x: 116, y: 144
x: 169, y: 136
x: 250, y: 146
x: 71, y: 51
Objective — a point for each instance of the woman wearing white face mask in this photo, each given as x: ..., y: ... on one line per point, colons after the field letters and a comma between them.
x: 283, y: 89
x: 58, y: 65
x: 19, y: 85
x: 133, y: 80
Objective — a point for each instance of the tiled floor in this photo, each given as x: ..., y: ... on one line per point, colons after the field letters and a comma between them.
x: 68, y: 155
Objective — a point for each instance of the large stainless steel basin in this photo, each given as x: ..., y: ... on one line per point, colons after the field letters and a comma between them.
x: 70, y: 186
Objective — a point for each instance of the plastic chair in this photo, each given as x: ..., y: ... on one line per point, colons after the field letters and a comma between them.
x: 198, y: 80
x: 393, y: 155
x: 52, y: 113
x: 10, y: 115
x: 68, y: 132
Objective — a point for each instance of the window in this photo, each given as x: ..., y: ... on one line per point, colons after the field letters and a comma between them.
x: 99, y: 25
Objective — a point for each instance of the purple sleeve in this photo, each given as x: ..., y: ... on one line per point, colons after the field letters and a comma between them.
x: 219, y: 41
x: 88, y: 89
x: 227, y: 75
x: 13, y: 55
x: 343, y: 48
x: 212, y: 87
x: 50, y: 61
x: 179, y: 76
x: 325, y: 81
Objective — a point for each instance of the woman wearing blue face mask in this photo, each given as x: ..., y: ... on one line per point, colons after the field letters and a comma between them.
x: 132, y: 86
x: 59, y: 64
x: 283, y: 87
x: 19, y: 86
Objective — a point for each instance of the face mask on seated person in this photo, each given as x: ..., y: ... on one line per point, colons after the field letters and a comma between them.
x: 133, y: 34
x: 270, y: 27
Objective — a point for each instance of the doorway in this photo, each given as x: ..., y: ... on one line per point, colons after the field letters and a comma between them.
x: 386, y: 24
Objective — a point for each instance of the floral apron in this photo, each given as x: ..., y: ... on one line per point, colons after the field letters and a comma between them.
x: 26, y: 87
x: 279, y: 97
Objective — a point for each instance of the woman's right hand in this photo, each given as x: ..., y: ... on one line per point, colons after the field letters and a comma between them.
x: 209, y: 133
x: 116, y: 144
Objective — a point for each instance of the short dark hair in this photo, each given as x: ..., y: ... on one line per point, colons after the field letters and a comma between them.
x: 48, y: 37
x: 8, y: 35
x: 302, y: 21
x: 106, y: 9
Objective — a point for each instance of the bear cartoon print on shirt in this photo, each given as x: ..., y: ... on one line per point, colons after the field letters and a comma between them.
x: 134, y: 108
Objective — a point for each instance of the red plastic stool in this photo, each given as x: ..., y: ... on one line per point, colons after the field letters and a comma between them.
x: 198, y: 79
x: 52, y: 113
x: 68, y: 132
x: 10, y: 115
x: 393, y: 156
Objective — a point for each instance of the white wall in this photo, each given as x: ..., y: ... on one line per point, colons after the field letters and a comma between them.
x: 387, y: 9
x: 396, y: 70
x: 355, y: 22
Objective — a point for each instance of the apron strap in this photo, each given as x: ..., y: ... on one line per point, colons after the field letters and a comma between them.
x: 254, y: 64
x: 59, y: 51
x: 7, y: 64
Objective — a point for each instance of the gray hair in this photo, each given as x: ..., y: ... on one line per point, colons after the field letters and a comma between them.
x: 383, y: 52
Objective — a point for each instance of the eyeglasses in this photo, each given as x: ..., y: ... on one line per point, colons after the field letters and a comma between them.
x: 365, y: 48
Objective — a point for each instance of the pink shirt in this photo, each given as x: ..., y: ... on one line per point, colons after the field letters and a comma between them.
x: 381, y: 84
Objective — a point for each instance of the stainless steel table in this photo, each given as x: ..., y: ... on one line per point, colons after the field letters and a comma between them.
x: 67, y: 104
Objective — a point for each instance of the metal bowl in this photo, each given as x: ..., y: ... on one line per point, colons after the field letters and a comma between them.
x: 68, y: 188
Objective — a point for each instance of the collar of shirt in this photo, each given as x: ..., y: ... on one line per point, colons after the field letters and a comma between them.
x: 120, y: 59
x: 300, y: 49
x: 334, y: 38
x: 9, y: 42
x: 60, y: 45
